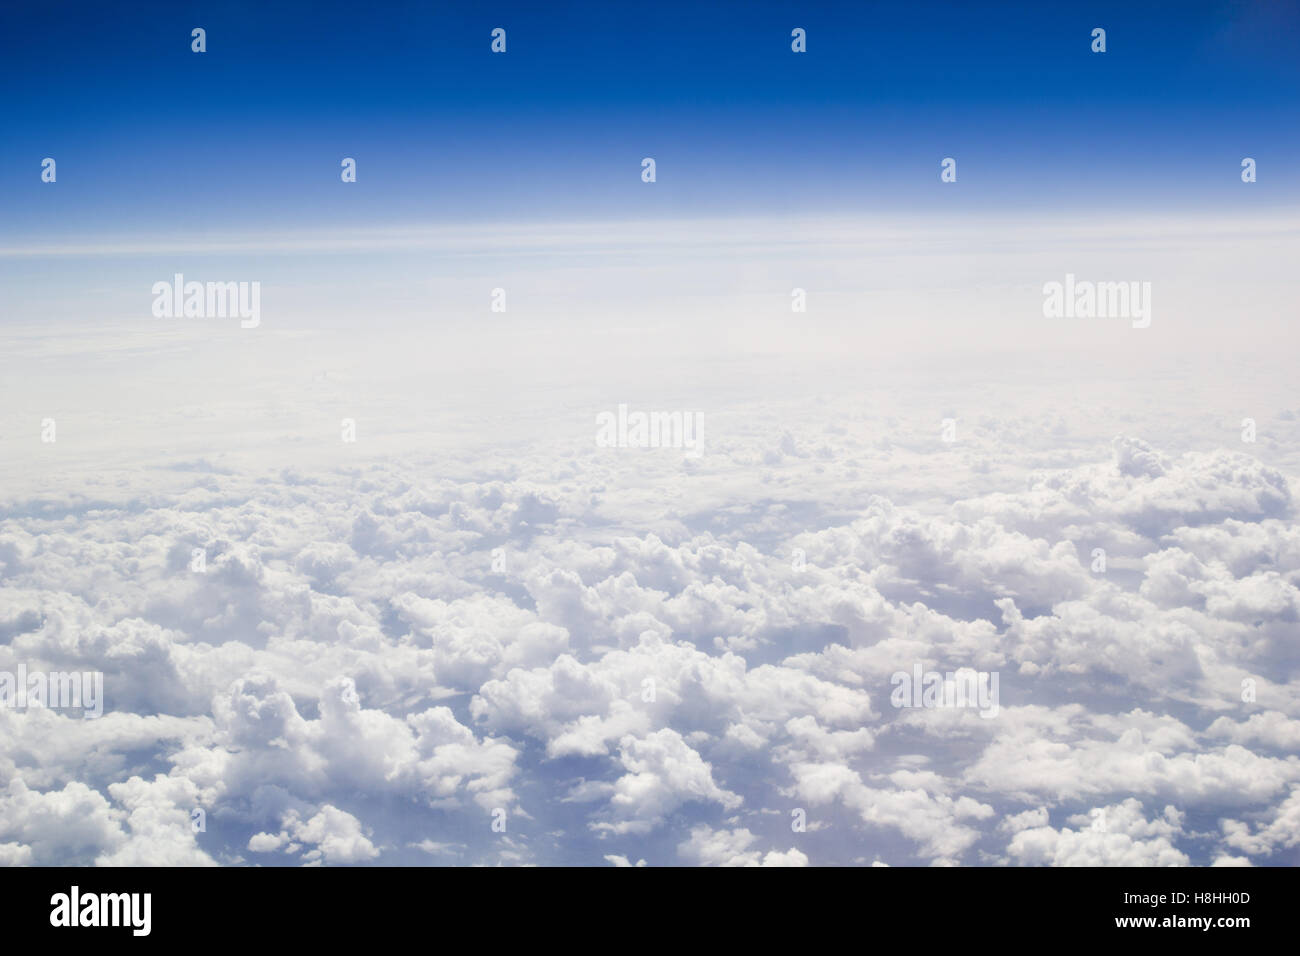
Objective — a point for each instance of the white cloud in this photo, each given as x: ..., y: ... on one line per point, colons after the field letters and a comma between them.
x: 651, y: 674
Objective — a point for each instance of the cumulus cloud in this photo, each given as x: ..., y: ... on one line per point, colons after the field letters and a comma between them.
x: 1119, y: 836
x: 706, y: 847
x: 554, y: 653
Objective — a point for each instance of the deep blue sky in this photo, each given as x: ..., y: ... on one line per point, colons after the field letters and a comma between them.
x: 248, y: 136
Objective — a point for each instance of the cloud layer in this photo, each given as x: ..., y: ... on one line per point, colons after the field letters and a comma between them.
x: 634, y: 657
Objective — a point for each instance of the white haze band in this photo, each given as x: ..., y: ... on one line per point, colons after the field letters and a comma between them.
x: 205, y: 300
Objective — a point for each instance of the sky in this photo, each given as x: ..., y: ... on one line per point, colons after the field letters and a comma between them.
x: 430, y: 594
x: 229, y: 160
x: 477, y: 167
x: 248, y: 136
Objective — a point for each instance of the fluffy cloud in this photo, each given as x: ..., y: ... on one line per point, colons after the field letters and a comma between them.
x: 646, y: 659
x: 706, y: 847
x: 1119, y: 836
